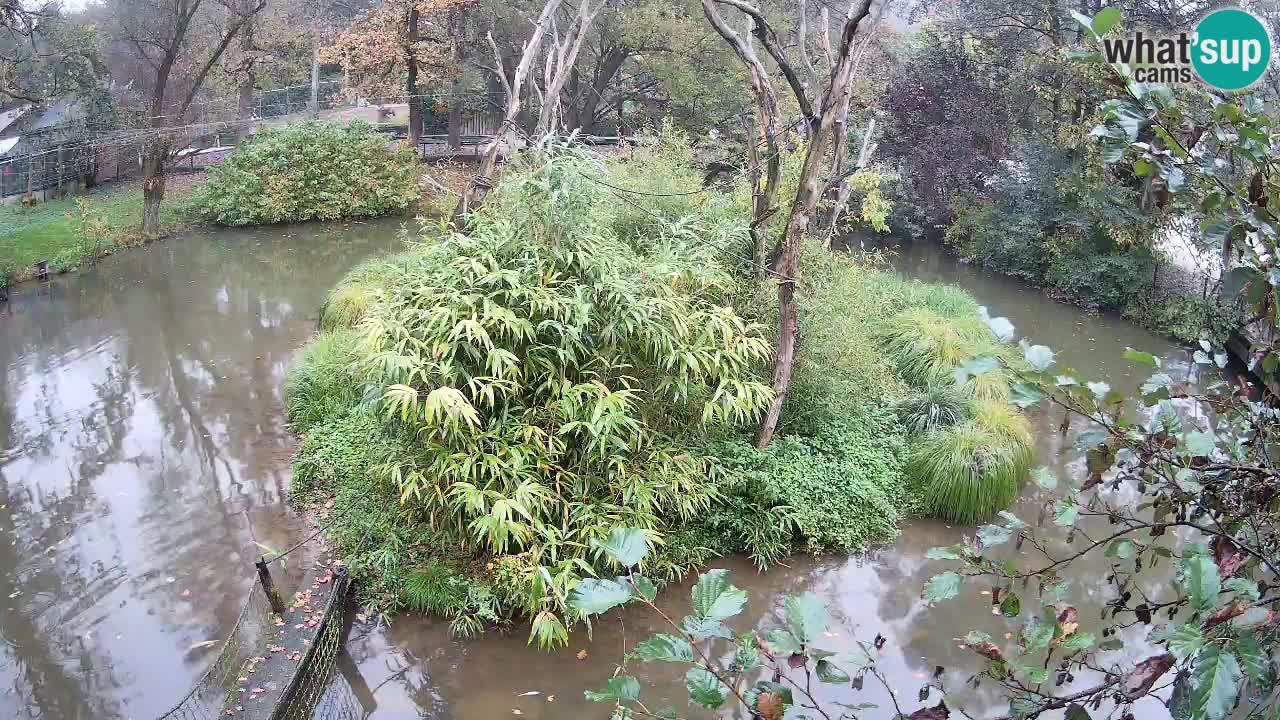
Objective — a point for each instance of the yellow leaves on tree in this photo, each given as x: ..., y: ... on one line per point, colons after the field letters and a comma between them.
x: 375, y: 49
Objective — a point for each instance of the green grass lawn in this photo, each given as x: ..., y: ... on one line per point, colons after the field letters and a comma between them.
x: 50, y: 231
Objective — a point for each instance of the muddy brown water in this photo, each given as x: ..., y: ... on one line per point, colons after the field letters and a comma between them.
x: 144, y: 465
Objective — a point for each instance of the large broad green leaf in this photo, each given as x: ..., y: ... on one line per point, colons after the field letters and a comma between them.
x: 1038, y: 633
x: 703, y: 628
x: 992, y: 535
x: 782, y: 642
x: 644, y: 587
x: 1200, y: 444
x: 667, y: 648
x: 974, y: 367
x: 1106, y: 19
x: 1201, y: 581
x: 1217, y: 679
x: 704, y: 688
x: 1185, y: 640
x: 1025, y: 394
x: 829, y: 673
x: 1085, y: 23
x: 594, y: 596
x: 943, y: 553
x: 1078, y: 641
x: 1065, y: 513
x: 715, y: 599
x: 1254, y: 661
x: 806, y: 617
x: 1038, y: 356
x: 628, y: 546
x: 943, y: 587
x: 622, y: 687
x: 1142, y: 357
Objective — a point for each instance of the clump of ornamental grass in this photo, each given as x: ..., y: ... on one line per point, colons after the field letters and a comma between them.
x: 927, y: 347
x: 948, y: 301
x: 938, y: 405
x: 968, y: 472
x: 321, y: 385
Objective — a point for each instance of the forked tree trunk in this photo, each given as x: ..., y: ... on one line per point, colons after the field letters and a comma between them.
x: 764, y: 190
x: 480, y: 185
x: 814, y: 175
x: 561, y: 57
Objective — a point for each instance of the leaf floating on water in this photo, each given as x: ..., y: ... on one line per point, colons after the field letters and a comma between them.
x: 582, y: 654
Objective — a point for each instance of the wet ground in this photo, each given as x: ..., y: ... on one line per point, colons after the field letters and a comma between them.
x: 144, y: 466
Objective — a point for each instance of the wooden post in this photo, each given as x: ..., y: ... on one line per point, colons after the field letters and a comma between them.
x: 269, y: 586
x: 315, y: 81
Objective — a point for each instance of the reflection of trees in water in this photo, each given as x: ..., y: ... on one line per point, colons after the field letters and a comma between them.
x: 51, y: 673
x: 155, y: 377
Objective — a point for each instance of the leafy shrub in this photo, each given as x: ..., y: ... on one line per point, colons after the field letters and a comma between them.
x: 550, y: 379
x: 1105, y: 281
x: 968, y: 472
x: 312, y: 171
x: 998, y: 238
x: 1185, y: 318
x: 840, y: 490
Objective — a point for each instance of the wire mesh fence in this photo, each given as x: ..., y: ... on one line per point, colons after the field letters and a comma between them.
x: 270, y: 667
x: 218, y: 690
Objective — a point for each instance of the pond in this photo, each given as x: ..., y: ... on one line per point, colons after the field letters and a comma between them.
x: 144, y: 464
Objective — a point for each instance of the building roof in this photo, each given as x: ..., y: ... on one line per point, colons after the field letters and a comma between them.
x: 10, y: 116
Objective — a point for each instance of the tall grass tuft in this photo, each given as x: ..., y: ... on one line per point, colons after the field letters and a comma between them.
x: 354, y: 297
x: 969, y: 472
x: 320, y: 386
x: 938, y: 406
x: 926, y: 347
x: 1005, y: 420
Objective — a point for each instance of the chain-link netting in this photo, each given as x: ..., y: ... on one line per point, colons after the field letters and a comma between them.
x: 218, y: 689
x: 307, y: 689
x: 281, y: 666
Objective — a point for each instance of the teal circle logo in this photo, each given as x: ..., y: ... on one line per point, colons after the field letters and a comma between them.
x: 1231, y: 49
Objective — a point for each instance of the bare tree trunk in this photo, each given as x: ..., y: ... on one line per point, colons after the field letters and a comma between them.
x: 411, y: 85
x: 561, y: 56
x: 246, y: 86
x: 480, y: 185
x: 153, y: 188
x: 814, y: 174
x: 764, y: 197
x: 315, y: 81
x: 457, y: 30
